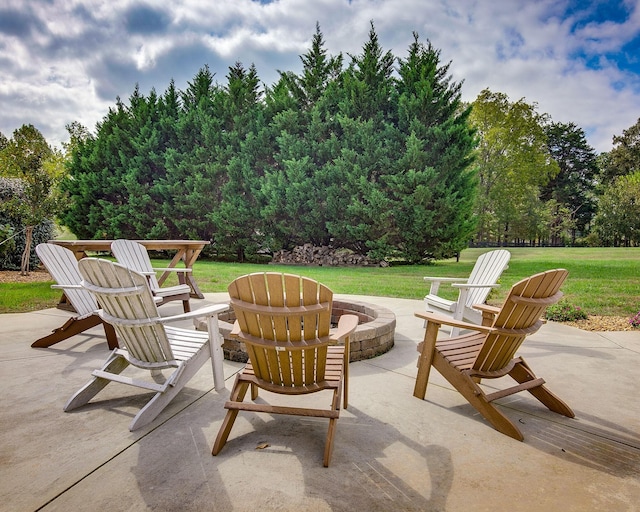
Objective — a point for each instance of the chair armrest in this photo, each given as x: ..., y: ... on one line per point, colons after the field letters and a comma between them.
x: 488, y: 313
x: 445, y: 279
x: 435, y: 282
x: 172, y: 269
x: 441, y: 319
x: 212, y: 310
x: 477, y: 285
x: 66, y: 286
x: 486, y: 307
x: 346, y: 325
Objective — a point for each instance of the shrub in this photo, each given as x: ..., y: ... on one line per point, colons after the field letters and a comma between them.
x: 635, y: 320
x: 564, y: 311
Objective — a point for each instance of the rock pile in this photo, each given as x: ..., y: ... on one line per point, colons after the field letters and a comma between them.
x: 308, y: 254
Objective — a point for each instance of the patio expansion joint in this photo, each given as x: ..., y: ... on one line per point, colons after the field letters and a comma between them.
x: 122, y: 450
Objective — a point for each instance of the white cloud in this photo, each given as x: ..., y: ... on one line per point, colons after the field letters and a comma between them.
x: 67, y: 60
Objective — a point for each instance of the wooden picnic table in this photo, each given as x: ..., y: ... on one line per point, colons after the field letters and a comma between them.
x: 187, y: 251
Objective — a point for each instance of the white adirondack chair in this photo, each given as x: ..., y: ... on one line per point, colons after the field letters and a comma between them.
x: 133, y: 255
x: 63, y: 267
x: 472, y: 290
x: 147, y: 343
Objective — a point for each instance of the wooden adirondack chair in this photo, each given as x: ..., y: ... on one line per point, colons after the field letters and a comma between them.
x: 473, y: 290
x: 490, y: 352
x: 63, y: 267
x: 284, y: 321
x: 147, y: 343
x: 133, y: 255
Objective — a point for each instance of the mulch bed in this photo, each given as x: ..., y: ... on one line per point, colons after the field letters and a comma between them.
x: 603, y: 323
x: 13, y: 276
x: 593, y: 323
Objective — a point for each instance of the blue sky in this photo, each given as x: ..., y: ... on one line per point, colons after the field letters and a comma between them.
x: 68, y: 60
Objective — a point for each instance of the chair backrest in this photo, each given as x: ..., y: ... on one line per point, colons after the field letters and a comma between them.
x: 62, y: 264
x: 284, y: 321
x: 487, y: 270
x: 134, y: 255
x: 128, y: 304
x: 519, y: 317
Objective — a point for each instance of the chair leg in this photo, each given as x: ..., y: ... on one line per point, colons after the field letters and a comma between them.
x: 186, y: 306
x: 70, y: 328
x: 476, y: 397
x: 160, y: 400
x: 110, y: 333
x: 426, y: 360
x: 154, y: 407
x: 333, y: 423
x: 328, y: 447
x: 115, y: 364
x: 345, y: 377
x: 237, y: 395
x: 522, y: 373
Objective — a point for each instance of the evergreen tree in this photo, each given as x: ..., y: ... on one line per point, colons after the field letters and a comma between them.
x: 353, y: 158
x: 368, y: 85
x: 318, y: 71
x: 193, y: 170
x: 246, y: 152
x: 95, y: 181
x: 293, y: 192
x: 573, y: 187
x: 370, y: 142
x: 434, y: 186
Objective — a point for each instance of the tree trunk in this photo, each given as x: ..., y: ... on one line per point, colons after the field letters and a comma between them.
x: 24, y: 269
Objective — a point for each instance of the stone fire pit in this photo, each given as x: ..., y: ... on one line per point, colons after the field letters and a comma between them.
x: 373, y: 336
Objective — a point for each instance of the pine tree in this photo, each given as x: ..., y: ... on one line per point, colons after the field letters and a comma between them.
x: 246, y: 149
x: 293, y: 191
x: 433, y: 187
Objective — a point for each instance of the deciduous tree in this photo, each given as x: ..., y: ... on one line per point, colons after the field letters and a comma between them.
x: 513, y: 163
x: 618, y: 219
x: 28, y: 157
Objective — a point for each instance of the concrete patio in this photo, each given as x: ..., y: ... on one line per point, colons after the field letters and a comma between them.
x: 393, y: 452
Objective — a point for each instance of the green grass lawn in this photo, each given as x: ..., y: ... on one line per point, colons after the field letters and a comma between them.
x: 602, y: 281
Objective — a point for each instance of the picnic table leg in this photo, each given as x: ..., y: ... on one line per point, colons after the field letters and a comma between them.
x: 188, y: 257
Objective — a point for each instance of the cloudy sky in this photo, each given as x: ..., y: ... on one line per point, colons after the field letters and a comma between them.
x: 68, y: 60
